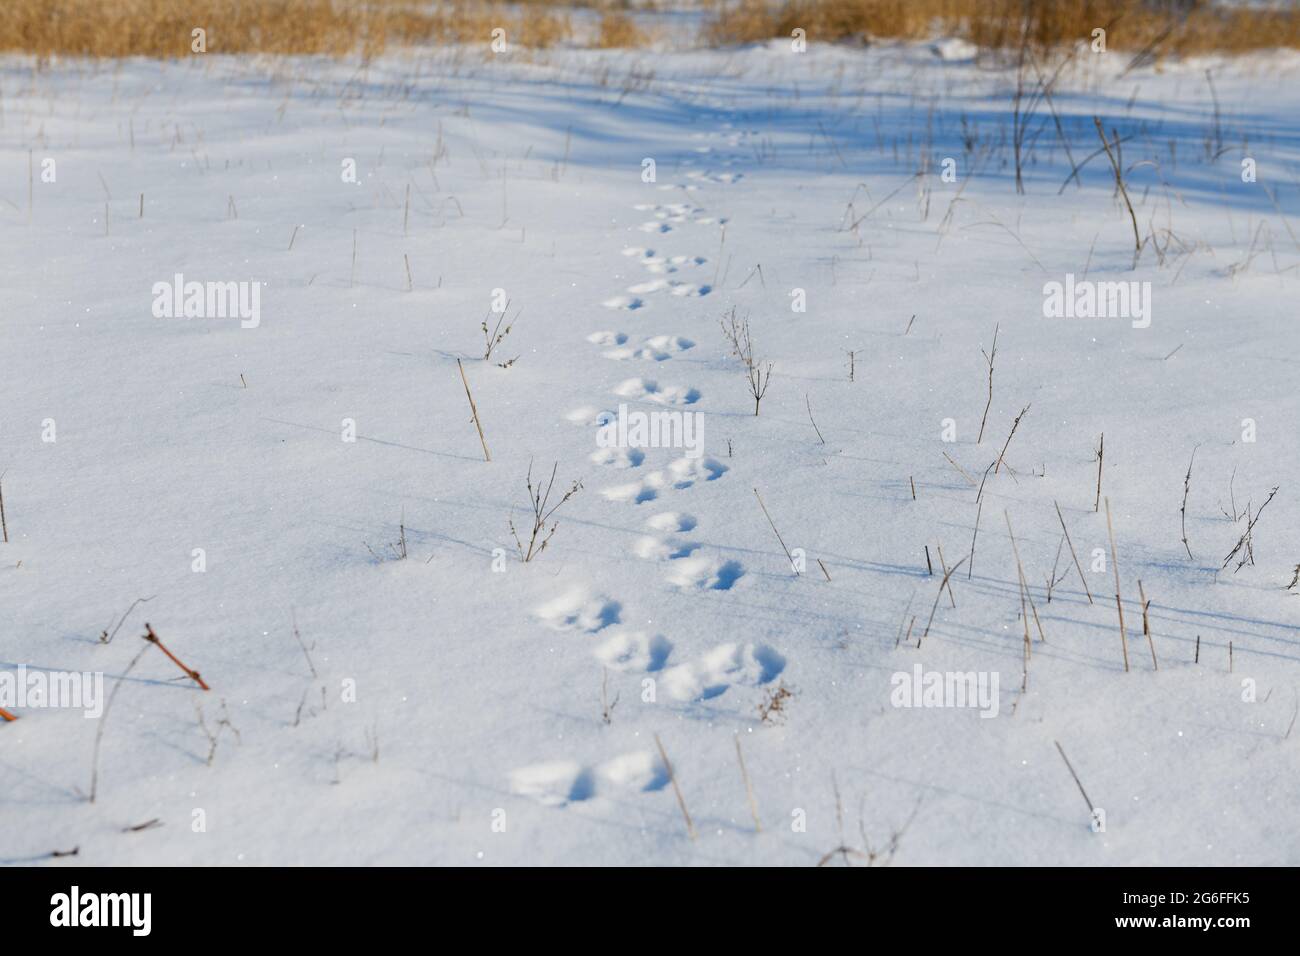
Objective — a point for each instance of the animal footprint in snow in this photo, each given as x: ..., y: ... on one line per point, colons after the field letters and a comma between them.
x: 661, y: 549
x: 626, y: 302
x: 634, y: 650
x: 745, y: 665
x: 635, y: 492
x: 555, y: 783
x: 714, y: 177
x: 658, y: 348
x: 653, y: 392
x: 681, y: 474
x: 655, y: 548
x: 673, y: 213
x: 670, y: 521
x: 607, y: 338
x: 645, y: 288
x: 665, y: 285
x: 684, y: 472
x: 587, y: 415
x: 579, y: 610
x: 705, y: 573
x: 662, y: 264
x: 560, y: 782
x: 640, y: 770
x: 618, y: 457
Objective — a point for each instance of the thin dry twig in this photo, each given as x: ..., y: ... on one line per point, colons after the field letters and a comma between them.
x: 1077, y: 782
x: 1187, y: 485
x: 1007, y: 443
x: 1247, y: 538
x: 487, y: 456
x: 672, y: 778
x: 942, y: 584
x: 538, y: 499
x: 989, y: 357
x: 1073, y: 554
x: 788, y: 555
x: 1119, y: 604
x: 1146, y: 624
x: 152, y: 638
x: 1119, y: 182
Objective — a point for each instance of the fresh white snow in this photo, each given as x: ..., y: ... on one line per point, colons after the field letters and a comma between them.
x: 455, y: 712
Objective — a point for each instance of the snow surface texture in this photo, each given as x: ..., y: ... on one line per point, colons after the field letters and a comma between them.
x: 476, y: 734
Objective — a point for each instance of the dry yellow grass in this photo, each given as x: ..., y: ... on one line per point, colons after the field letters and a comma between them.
x: 618, y: 30
x: 163, y: 28
x: 1188, y: 27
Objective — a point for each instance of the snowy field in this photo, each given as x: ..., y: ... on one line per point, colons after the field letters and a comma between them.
x: 244, y: 474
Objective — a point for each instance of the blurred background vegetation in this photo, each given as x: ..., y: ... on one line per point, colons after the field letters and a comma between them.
x: 163, y: 28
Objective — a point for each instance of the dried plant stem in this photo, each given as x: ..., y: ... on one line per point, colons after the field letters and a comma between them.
x: 1119, y: 604
x: 1052, y: 579
x: 538, y: 499
x: 979, y: 510
x: 1007, y: 443
x: 814, y: 423
x: 193, y: 675
x: 1077, y: 782
x: 1073, y: 554
x: 942, y: 584
x: 4, y: 525
x: 1119, y: 182
x: 788, y: 555
x: 749, y: 789
x: 1246, y: 540
x: 105, y: 637
x: 1187, y: 485
x: 293, y: 617
x: 672, y: 778
x: 1146, y: 624
x: 103, y: 720
x: 1024, y: 584
x: 737, y: 333
x: 487, y: 456
x: 1101, y: 452
x: 989, y: 358
x: 899, y: 638
x: 960, y: 470
x: 944, y: 564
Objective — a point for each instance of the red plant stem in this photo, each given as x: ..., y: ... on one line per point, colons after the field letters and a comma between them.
x: 152, y: 638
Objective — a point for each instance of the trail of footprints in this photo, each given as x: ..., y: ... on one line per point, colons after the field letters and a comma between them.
x: 559, y: 782
x: 686, y: 569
